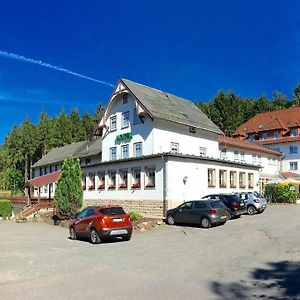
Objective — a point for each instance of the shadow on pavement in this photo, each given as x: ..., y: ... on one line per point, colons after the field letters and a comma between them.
x: 280, y: 280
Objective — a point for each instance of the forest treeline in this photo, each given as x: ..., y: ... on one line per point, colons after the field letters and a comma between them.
x: 27, y: 143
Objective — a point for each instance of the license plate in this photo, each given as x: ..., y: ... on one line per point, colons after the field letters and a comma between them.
x: 242, y: 204
x: 223, y: 217
x: 117, y: 220
x: 118, y: 231
x: 263, y: 206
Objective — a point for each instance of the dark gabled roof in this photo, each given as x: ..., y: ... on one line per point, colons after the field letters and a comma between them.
x: 44, y: 180
x: 162, y: 105
x: 79, y: 149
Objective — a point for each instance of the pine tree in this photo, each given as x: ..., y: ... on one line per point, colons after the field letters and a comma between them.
x: 68, y: 194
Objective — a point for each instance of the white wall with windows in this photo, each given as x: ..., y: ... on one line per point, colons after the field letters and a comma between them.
x: 270, y: 163
x: 291, y: 156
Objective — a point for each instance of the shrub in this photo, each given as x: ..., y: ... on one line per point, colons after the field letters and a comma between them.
x: 281, y: 193
x: 68, y: 194
x: 134, y: 215
x: 5, y: 209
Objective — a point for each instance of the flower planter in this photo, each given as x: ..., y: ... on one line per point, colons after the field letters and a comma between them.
x: 136, y: 186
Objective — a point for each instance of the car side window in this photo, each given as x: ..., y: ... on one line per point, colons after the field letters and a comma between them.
x: 216, y: 198
x: 244, y: 196
x: 90, y: 212
x: 187, y: 205
x: 82, y: 214
x: 199, y: 205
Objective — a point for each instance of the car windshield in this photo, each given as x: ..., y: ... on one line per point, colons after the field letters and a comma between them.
x: 258, y: 195
x: 233, y: 198
x: 217, y: 204
x: 112, y: 211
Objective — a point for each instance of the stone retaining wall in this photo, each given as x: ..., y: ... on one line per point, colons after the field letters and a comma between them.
x: 148, y: 208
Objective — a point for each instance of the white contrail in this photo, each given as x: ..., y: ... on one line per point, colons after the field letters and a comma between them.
x: 46, y: 65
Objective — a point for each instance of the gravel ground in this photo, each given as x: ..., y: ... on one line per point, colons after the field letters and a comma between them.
x: 247, y: 258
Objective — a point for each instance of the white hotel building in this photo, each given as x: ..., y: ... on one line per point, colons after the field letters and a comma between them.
x: 155, y: 151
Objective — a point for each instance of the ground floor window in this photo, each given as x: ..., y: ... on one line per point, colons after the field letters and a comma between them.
x: 150, y: 177
x: 45, y: 188
x: 112, y: 180
x: 136, y: 178
x: 250, y: 180
x: 242, y: 180
x: 51, y: 187
x: 202, y: 151
x: 211, y: 177
x: 91, y: 181
x: 123, y: 179
x: 101, y: 179
x: 233, y: 179
x: 223, y: 178
x: 293, y: 165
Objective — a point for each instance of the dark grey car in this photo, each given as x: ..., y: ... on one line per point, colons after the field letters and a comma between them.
x: 203, y: 212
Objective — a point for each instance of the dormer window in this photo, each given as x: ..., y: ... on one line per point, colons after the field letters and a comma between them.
x: 125, y: 98
x: 276, y: 135
x: 251, y: 138
x: 294, y: 132
x: 265, y: 136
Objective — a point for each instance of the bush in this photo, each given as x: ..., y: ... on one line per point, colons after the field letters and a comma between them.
x: 281, y: 193
x: 134, y: 215
x: 5, y: 209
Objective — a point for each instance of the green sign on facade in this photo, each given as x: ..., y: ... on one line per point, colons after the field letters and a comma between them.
x: 124, y: 136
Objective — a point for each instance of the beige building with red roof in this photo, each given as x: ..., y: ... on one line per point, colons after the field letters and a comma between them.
x: 278, y: 130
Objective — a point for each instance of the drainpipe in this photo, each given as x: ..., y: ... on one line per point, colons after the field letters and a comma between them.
x: 165, y: 182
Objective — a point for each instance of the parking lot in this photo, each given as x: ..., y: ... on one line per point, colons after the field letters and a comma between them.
x: 251, y: 257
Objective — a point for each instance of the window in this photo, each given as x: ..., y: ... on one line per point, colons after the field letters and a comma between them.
x: 202, y: 151
x: 45, y: 170
x: 136, y: 178
x: 113, y: 123
x: 56, y: 167
x: 113, y: 153
x: 276, y: 135
x: 174, y: 147
x: 253, y: 158
x: 236, y: 155
x: 123, y: 179
x: 232, y: 179
x: 211, y: 178
x: 101, y: 179
x: 242, y: 156
x: 125, y: 150
x: 265, y: 136
x: 45, y: 188
x: 125, y: 98
x: 150, y: 177
x: 41, y: 172
x: 250, y: 180
x: 293, y: 150
x: 112, y: 180
x: 137, y: 149
x: 269, y: 161
x: 87, y: 161
x: 51, y: 168
x: 125, y: 119
x: 223, y: 153
x: 84, y: 182
x: 136, y: 118
x: 187, y: 205
x: 294, y: 132
x: 293, y: 165
x: 259, y: 158
x: 51, y: 187
x: 223, y: 178
x: 91, y: 181
x: 200, y: 204
x: 251, y: 138
x: 242, y: 180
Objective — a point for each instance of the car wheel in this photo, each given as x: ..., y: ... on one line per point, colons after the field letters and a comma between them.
x: 170, y: 220
x: 251, y: 210
x: 72, y: 233
x: 229, y: 215
x: 95, y: 239
x: 127, y: 237
x: 205, y: 222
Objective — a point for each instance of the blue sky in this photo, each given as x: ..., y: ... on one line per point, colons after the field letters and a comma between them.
x: 190, y: 48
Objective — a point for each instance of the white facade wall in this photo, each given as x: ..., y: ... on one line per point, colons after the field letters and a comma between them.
x: 165, y: 133
x: 270, y: 164
x: 288, y: 157
x: 188, y: 179
x: 140, y: 132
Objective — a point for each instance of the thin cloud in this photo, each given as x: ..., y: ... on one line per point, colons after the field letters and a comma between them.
x: 46, y: 65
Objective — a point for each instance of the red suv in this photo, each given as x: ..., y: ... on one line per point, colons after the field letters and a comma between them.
x: 101, y: 222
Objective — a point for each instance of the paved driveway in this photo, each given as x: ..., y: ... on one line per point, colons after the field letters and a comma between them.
x: 254, y: 256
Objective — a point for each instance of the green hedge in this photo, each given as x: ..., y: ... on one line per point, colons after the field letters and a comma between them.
x: 281, y: 193
x: 5, y: 209
x: 134, y: 215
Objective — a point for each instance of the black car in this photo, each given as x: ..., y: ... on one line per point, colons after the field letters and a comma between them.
x: 235, y: 205
x: 201, y: 212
